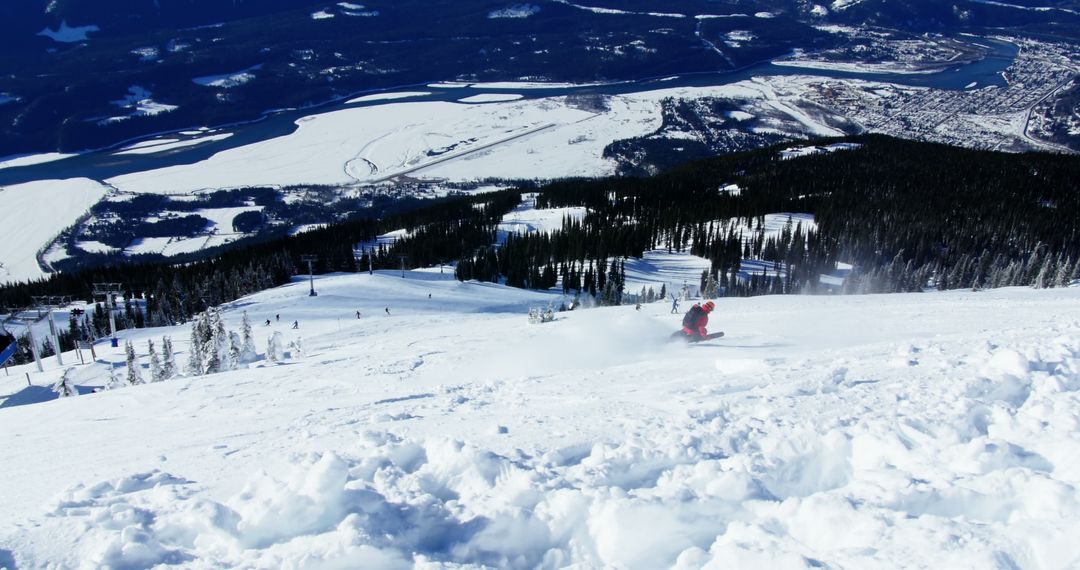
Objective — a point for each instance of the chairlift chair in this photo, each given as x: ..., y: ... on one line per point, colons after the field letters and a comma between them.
x: 8, y: 344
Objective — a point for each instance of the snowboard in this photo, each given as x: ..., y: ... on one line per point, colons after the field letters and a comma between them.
x: 691, y: 339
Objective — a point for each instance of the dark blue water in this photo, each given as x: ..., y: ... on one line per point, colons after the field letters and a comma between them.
x: 100, y: 165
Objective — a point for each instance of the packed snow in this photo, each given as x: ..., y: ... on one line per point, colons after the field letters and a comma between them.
x: 915, y: 430
x: 29, y: 225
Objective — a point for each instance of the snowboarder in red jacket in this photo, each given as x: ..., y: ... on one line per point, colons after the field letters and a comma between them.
x: 695, y: 321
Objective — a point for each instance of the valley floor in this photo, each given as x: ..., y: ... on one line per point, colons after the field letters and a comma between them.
x: 921, y: 430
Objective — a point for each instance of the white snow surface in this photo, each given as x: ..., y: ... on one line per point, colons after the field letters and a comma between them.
x: 31, y: 159
x: 919, y: 430
x: 388, y: 96
x: 161, y: 145
x: 529, y: 138
x: 490, y: 98
x: 526, y: 218
x: 228, y: 80
x: 29, y: 226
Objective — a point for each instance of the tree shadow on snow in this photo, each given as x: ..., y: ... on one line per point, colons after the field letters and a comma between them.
x: 28, y: 395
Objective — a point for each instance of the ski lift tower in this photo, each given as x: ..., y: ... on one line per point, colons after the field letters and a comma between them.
x: 109, y: 291
x: 311, y: 273
x: 26, y: 318
x: 47, y: 304
x: 403, y: 258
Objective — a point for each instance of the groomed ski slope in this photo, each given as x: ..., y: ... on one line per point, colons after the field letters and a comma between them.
x: 935, y: 430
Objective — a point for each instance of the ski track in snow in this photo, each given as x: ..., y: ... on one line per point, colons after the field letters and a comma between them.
x: 917, y: 430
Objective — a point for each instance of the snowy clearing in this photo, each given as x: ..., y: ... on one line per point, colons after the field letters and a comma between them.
x: 490, y: 98
x: 228, y: 80
x: 32, y: 159
x: 525, y: 138
x: 891, y: 67
x: 388, y: 96
x: 526, y: 218
x: 162, y: 145
x: 30, y: 226
x: 917, y: 430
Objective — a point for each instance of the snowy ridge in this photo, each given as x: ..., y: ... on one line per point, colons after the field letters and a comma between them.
x: 935, y: 430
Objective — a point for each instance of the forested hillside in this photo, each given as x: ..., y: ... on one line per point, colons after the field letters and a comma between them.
x: 905, y: 215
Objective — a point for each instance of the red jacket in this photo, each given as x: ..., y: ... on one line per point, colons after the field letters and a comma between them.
x: 697, y: 328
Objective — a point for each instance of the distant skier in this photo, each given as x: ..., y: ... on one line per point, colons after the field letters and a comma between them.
x: 429, y: 295
x: 674, y: 304
x: 296, y: 324
x: 388, y: 311
x: 277, y: 318
x: 358, y: 314
x: 267, y: 322
x: 695, y: 321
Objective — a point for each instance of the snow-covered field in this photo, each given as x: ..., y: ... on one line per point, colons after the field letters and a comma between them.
x: 933, y: 430
x: 32, y: 214
x: 533, y: 138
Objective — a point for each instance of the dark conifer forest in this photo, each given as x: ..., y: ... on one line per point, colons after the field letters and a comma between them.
x: 907, y: 216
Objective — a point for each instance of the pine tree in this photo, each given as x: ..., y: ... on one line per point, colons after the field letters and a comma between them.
x: 168, y: 366
x: 213, y: 343
x: 1064, y: 274
x: 195, y: 356
x: 155, y: 362
x: 134, y: 369
x: 296, y: 348
x: 247, y: 346
x: 234, y: 350
x: 273, y: 348
x: 709, y: 291
x: 115, y: 382
x: 63, y: 387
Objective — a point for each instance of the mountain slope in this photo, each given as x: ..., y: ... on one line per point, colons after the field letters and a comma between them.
x: 867, y: 431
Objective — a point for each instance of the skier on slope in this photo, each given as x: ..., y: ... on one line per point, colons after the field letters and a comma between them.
x: 694, y: 322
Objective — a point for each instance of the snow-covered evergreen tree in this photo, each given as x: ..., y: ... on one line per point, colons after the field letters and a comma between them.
x: 215, y: 344
x: 63, y: 387
x: 273, y: 348
x: 134, y: 369
x: 168, y: 365
x: 195, y: 356
x: 155, y: 362
x: 710, y: 290
x: 296, y: 348
x: 115, y: 381
x: 247, y: 346
x: 234, y: 350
